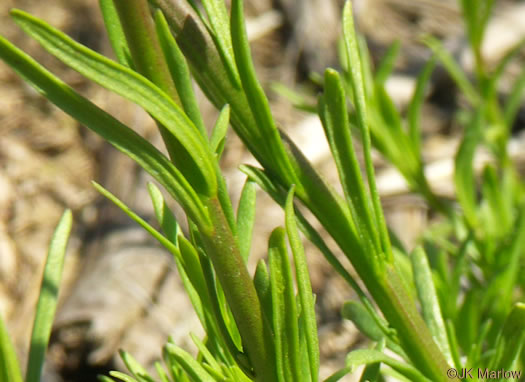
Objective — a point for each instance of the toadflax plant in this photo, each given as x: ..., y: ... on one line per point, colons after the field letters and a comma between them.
x: 262, y: 327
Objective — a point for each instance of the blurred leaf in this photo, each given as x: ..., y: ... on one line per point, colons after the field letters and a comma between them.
x: 510, y: 340
x: 464, y: 172
x: 387, y: 64
x: 48, y: 298
x: 416, y: 102
x: 454, y: 70
x: 9, y: 366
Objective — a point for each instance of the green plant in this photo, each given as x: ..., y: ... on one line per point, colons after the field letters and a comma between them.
x: 47, y: 301
x: 259, y: 328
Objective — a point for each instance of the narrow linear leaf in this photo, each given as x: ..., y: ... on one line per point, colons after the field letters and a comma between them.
x: 267, y: 134
x: 511, y: 339
x: 371, y: 373
x: 123, y: 377
x: 416, y: 102
x: 246, y: 218
x: 429, y: 301
x: 286, y: 330
x: 304, y: 287
x: 132, y: 86
x: 164, y: 215
x: 103, y: 378
x: 119, y: 135
x: 193, y: 368
x: 48, y: 298
x: 180, y: 72
x: 220, y: 25
x: 454, y: 70
x: 218, y: 135
x: 369, y: 356
x: 368, y: 325
x: 160, y: 371
x: 207, y: 356
x: 358, y: 86
x: 387, y: 64
x: 261, y: 280
x: 134, y: 367
x: 515, y: 100
x: 464, y: 171
x: 115, y: 32
x: 334, y: 116
x: 278, y: 195
x: 9, y: 366
x: 152, y: 231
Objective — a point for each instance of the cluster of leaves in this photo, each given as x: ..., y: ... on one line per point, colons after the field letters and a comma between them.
x: 464, y: 279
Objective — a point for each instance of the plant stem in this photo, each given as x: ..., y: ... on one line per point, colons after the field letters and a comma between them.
x: 222, y: 247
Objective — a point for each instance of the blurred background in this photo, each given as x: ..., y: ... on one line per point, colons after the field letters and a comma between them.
x: 120, y: 290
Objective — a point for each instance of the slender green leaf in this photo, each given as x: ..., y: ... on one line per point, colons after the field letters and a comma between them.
x: 368, y: 324
x: 464, y: 173
x: 218, y: 136
x: 261, y: 280
x: 9, y: 366
x: 115, y: 32
x: 454, y: 70
x: 134, y: 87
x: 119, y: 135
x: 338, y: 374
x: 166, y: 243
x: 429, y: 301
x: 510, y: 341
x: 164, y: 215
x: 246, y: 218
x: 285, y: 325
x: 358, y: 87
x: 369, y: 356
x: 192, y: 368
x: 207, y: 356
x: 180, y: 72
x: 515, y: 100
x: 267, y: 136
x: 160, y: 371
x: 304, y: 287
x: 48, y: 298
x: 134, y: 367
x: 416, y: 102
x: 387, y: 63
x: 371, y: 373
x: 278, y: 195
x: 220, y: 25
x: 103, y: 378
x: 334, y: 116
x: 123, y: 377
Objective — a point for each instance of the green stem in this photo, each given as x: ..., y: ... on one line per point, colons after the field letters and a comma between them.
x: 221, y: 246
